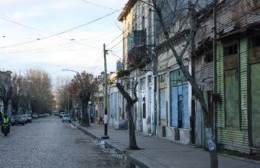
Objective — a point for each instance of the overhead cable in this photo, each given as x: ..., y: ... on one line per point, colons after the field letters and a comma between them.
x: 57, y: 34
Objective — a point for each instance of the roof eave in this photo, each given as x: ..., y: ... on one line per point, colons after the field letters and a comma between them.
x: 126, y: 10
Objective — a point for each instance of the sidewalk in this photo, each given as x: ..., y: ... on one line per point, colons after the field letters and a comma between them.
x: 159, y: 153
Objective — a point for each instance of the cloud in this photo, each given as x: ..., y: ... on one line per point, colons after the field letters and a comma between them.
x: 79, y: 49
x: 64, y: 5
x: 25, y: 15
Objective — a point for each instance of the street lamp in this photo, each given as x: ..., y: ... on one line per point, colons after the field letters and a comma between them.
x: 71, y: 70
x: 29, y: 98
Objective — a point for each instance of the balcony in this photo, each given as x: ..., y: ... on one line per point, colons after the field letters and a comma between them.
x: 137, y: 56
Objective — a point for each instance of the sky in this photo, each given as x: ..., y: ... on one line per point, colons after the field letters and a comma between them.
x: 58, y: 35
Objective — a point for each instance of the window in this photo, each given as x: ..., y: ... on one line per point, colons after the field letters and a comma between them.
x: 144, y: 108
x: 162, y: 93
x: 208, y: 57
x: 143, y: 23
x: 177, y: 77
x: 149, y: 27
x: 162, y: 104
x: 231, y: 85
x: 232, y: 99
x: 254, y: 41
x: 230, y: 50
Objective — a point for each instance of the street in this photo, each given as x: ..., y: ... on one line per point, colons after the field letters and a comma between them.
x: 49, y: 143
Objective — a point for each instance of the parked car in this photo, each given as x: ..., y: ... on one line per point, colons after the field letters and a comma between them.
x: 61, y: 114
x: 66, y: 118
x: 28, y: 117
x: 17, y: 119
x: 55, y: 113
x: 34, y: 115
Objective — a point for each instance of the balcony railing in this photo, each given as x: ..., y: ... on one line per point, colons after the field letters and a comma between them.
x: 137, y: 49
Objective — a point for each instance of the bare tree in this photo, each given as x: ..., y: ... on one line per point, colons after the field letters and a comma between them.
x: 176, y: 13
x: 15, y: 82
x: 129, y: 109
x: 37, y: 88
x: 83, y: 85
x: 5, y: 94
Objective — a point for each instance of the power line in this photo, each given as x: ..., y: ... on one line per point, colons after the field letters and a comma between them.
x: 63, y: 32
x: 23, y: 25
x: 99, y: 5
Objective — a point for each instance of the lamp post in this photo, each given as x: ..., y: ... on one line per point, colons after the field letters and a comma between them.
x: 105, y: 136
x: 71, y: 70
x: 29, y: 98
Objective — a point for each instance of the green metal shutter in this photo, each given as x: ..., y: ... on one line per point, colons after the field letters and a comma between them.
x: 220, y: 85
x: 243, y: 85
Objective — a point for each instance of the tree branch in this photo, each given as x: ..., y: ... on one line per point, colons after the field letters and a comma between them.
x: 123, y: 92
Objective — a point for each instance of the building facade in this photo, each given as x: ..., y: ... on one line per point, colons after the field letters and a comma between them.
x: 237, y: 61
x: 138, y: 41
x: 227, y: 76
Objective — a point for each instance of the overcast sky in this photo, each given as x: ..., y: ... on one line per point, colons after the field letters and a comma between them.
x: 52, y: 35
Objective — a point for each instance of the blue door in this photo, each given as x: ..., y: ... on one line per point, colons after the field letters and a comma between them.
x: 179, y: 106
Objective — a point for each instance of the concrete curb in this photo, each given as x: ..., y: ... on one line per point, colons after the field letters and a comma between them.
x: 142, y: 161
x: 132, y: 158
x: 93, y: 136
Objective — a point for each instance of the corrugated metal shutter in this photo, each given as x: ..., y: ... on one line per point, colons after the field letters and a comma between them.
x: 220, y: 85
x: 243, y: 78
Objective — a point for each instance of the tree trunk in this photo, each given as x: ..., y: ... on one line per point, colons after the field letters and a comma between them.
x: 129, y: 106
x: 209, y: 126
x: 132, y: 139
x: 85, y: 119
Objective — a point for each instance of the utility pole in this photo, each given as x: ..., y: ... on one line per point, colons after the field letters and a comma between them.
x: 105, y: 136
x: 214, y: 66
x: 192, y: 58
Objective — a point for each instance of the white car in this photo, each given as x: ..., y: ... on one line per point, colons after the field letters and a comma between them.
x: 66, y: 118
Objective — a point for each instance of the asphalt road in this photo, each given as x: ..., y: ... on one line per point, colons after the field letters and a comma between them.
x: 49, y: 143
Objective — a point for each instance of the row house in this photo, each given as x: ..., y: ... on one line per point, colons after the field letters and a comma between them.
x: 99, y: 99
x: 138, y: 40
x: 227, y: 75
x: 173, y: 90
x: 229, y: 79
x: 116, y: 101
x: 237, y: 68
x: 165, y: 107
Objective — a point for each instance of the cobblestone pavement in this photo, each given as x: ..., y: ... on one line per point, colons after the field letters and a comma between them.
x: 49, y: 143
